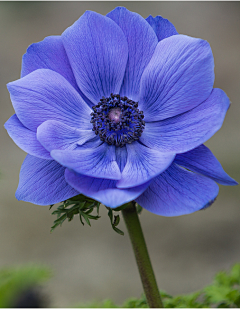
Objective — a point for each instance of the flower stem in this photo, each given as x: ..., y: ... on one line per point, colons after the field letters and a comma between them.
x: 141, y: 254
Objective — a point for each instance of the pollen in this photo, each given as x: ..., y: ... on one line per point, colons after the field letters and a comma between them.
x: 115, y: 114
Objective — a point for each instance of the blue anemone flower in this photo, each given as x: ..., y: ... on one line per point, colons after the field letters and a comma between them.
x: 118, y: 108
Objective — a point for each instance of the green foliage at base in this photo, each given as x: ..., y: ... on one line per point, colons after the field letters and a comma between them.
x: 224, y: 292
x: 16, y: 280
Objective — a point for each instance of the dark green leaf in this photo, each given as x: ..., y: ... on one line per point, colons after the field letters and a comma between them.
x: 116, y: 220
x: 118, y: 231
x: 139, y: 208
x: 78, y: 205
x: 85, y: 216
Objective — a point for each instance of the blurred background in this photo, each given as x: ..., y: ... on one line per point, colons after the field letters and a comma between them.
x: 94, y: 263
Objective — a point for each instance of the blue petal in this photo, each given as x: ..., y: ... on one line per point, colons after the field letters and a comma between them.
x: 162, y: 27
x: 103, y: 190
x: 121, y: 157
x: 93, y: 143
x: 201, y: 160
x: 97, y: 50
x: 57, y: 135
x: 189, y: 130
x: 25, y: 138
x: 99, y: 162
x: 142, y: 165
x: 48, y: 54
x: 179, y: 77
x: 142, y: 42
x: 46, y: 95
x: 42, y: 182
x: 178, y: 192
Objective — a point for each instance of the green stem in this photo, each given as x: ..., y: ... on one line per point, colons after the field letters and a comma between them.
x: 141, y: 254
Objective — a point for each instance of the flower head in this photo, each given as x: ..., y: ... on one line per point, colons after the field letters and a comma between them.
x: 118, y: 108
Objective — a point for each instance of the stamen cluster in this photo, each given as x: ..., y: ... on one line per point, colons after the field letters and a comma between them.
x: 117, y: 120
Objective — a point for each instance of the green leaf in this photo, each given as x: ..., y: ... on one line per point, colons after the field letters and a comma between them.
x: 85, y: 216
x: 110, y: 214
x: 80, y: 217
x: 16, y: 280
x: 98, y: 206
x: 114, y: 221
x: 233, y: 296
x: 139, y: 209
x: 89, y: 211
x: 93, y: 217
x: 223, y: 293
x: 78, y: 205
x: 118, y: 231
x: 217, y: 294
x: 235, y: 274
x: 50, y: 207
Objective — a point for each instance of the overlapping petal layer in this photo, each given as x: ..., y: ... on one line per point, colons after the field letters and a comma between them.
x: 201, y: 160
x: 143, y: 164
x: 178, y: 192
x: 42, y: 182
x: 162, y: 27
x: 142, y: 42
x: 25, y: 138
x: 188, y: 130
x: 57, y: 135
x: 103, y: 190
x: 46, y: 95
x: 98, y: 58
x: 48, y: 54
x: 99, y: 162
x: 179, y: 77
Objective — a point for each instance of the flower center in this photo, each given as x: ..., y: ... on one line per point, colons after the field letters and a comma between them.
x: 115, y: 114
x: 117, y: 120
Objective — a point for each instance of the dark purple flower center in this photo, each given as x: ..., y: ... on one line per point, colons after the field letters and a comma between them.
x: 117, y: 120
